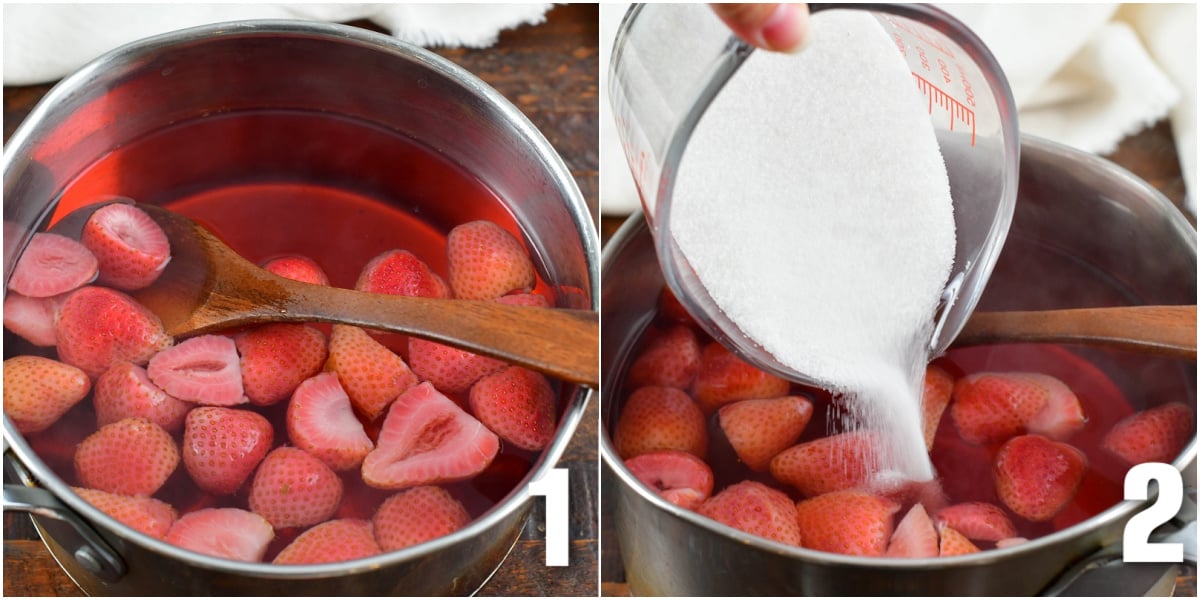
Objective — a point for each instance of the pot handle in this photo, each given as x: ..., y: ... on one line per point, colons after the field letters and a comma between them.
x: 89, y: 550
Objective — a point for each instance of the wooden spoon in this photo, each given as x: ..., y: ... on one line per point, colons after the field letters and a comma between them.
x: 207, y: 287
x: 1163, y: 330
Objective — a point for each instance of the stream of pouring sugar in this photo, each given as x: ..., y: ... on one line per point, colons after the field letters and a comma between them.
x: 813, y: 204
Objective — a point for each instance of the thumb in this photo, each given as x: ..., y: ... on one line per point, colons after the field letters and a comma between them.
x: 779, y: 27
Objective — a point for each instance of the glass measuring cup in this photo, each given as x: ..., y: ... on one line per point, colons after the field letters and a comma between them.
x: 670, y: 60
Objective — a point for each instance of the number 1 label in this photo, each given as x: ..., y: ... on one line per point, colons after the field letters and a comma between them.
x: 1137, y: 545
x: 554, y: 487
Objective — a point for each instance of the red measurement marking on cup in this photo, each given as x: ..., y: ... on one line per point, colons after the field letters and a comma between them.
x: 957, y: 111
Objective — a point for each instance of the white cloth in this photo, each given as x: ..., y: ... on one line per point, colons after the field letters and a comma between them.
x: 1085, y: 75
x: 44, y: 42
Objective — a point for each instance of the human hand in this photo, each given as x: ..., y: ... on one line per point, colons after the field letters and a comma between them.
x: 778, y: 27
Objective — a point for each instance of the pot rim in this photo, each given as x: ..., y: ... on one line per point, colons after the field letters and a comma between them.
x: 1119, y: 512
x: 520, y: 497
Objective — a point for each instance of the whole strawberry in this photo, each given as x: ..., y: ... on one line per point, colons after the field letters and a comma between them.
x: 660, y: 418
x: 1036, y: 477
x: 847, y: 522
x: 297, y: 268
x: 449, y: 369
x: 222, y: 446
x: 126, y: 391
x: 671, y: 359
x: 756, y: 509
x: 723, y: 378
x: 275, y: 358
x: 372, y: 375
x: 292, y: 488
x: 827, y: 464
x: 518, y: 405
x: 98, y: 328
x: 401, y: 273
x: 417, y: 515
x: 132, y: 456
x: 150, y: 516
x: 37, y: 391
x: 1153, y: 435
x: 939, y: 386
x: 331, y: 541
x: 759, y: 429
x: 485, y: 261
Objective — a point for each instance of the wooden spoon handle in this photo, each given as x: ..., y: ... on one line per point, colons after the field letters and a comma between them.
x: 1162, y: 330
x: 558, y: 342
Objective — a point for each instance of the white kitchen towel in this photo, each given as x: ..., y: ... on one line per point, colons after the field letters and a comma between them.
x: 1085, y: 75
x: 44, y: 42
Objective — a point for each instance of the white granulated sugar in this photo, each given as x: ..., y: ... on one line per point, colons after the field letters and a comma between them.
x: 813, y: 203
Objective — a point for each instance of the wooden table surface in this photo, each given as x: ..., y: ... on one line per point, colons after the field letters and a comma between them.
x: 549, y: 72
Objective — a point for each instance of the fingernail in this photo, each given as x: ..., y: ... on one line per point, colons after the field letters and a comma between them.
x: 784, y: 31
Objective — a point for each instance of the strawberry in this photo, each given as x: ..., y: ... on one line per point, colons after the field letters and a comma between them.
x: 669, y: 360
x: 724, y: 378
x: 1036, y: 477
x: 828, y: 464
x: 371, y: 374
x: 449, y: 369
x: 147, y: 515
x: 131, y: 248
x: 222, y: 446
x: 954, y: 543
x: 297, y: 268
x: 51, y: 265
x: 204, y: 369
x: 230, y: 533
x: 978, y: 521
x: 756, y: 509
x: 277, y: 357
x: 33, y: 319
x: 1063, y: 414
x: 992, y: 407
x: 939, y: 386
x: 321, y: 421
x: 426, y: 438
x: 1154, y: 435
x: 660, y: 418
x: 761, y: 428
x: 914, y: 536
x: 132, y: 456
x: 126, y: 391
x: 486, y: 262
x: 98, y: 328
x: 679, y: 477
x: 1010, y: 542
x: 518, y: 405
x: 401, y: 273
x: 417, y: 515
x: 331, y: 541
x: 525, y: 299
x: 671, y: 308
x: 37, y: 391
x: 847, y: 522
x: 293, y: 488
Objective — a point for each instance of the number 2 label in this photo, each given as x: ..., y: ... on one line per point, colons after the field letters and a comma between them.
x: 1137, y: 544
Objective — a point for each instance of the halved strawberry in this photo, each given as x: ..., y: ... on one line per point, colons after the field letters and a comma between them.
x: 417, y: 515
x: 321, y: 421
x: 954, y: 543
x: 98, y: 328
x: 1036, y: 477
x: 204, y: 369
x: 37, y: 391
x: 485, y: 262
x: 331, y: 541
x: 297, y: 268
x: 1010, y: 542
x: 939, y: 386
x: 449, y: 369
x: 978, y: 521
x: 51, y: 265
x: 1063, y: 414
x: 426, y: 438
x: 292, y: 488
x: 222, y: 446
x: 660, y: 418
x: 1153, y: 435
x: 847, y: 522
x: 150, y: 516
x: 828, y: 464
x: 756, y: 509
x: 33, y: 319
x: 126, y: 391
x: 131, y: 248
x: 277, y: 357
x: 230, y: 533
x: 401, y: 273
x: 132, y: 456
x: 992, y: 407
x: 914, y: 537
x: 723, y: 378
x: 759, y: 429
x: 518, y: 405
x: 670, y: 360
x: 679, y: 477
x: 372, y: 375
